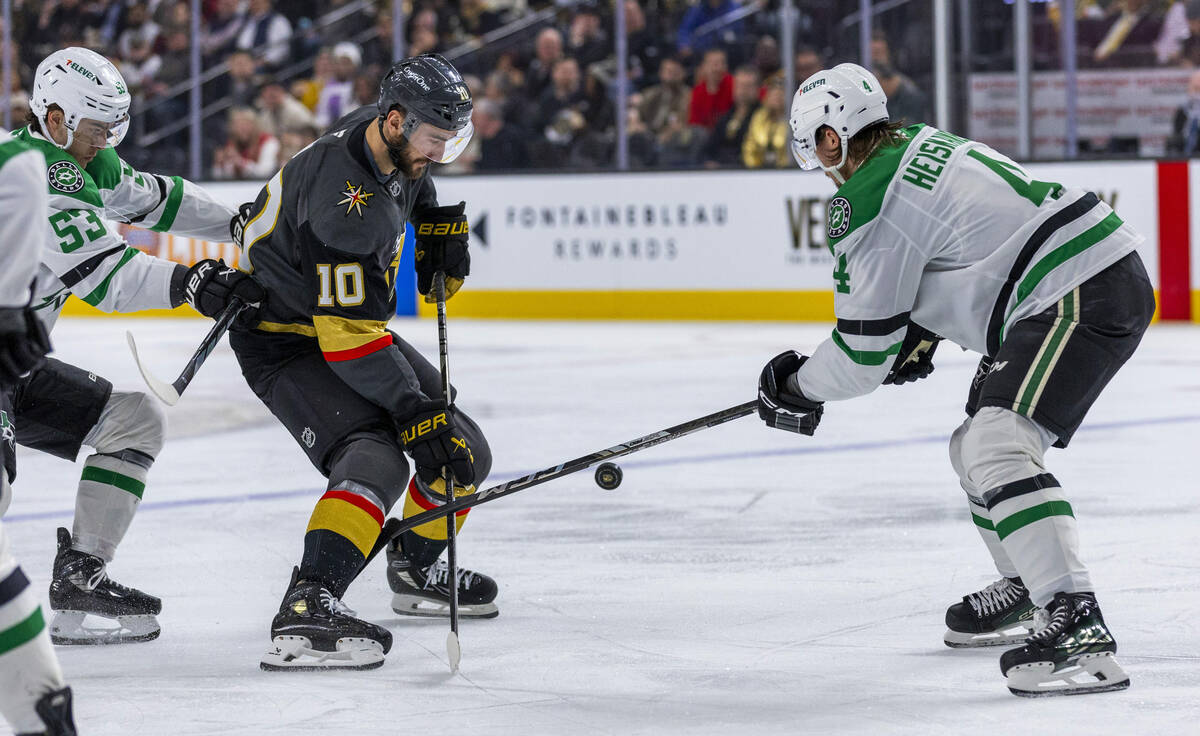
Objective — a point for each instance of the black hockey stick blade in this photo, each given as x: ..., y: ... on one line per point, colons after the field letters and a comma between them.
x: 169, y: 393
x: 393, y: 528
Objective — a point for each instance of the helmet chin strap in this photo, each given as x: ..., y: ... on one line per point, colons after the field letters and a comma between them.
x: 395, y: 153
x: 835, y: 171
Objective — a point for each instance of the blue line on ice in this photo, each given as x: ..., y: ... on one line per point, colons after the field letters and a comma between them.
x: 501, y: 477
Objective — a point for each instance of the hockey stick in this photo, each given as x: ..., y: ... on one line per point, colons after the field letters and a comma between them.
x: 394, y: 527
x: 169, y: 393
x: 453, y: 649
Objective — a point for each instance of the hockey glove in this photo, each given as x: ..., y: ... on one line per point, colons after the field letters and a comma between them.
x: 781, y: 408
x: 210, y: 285
x: 442, y: 246
x: 237, y: 225
x: 434, y: 442
x: 23, y: 343
x: 915, y: 360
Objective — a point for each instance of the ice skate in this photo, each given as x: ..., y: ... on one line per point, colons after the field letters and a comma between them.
x: 54, y: 708
x: 426, y: 591
x: 999, y: 614
x: 1073, y: 653
x: 91, y: 608
x: 316, y: 631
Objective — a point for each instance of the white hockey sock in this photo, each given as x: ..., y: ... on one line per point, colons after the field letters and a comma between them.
x: 28, y: 667
x: 110, y: 490
x: 1036, y: 527
x: 987, y: 531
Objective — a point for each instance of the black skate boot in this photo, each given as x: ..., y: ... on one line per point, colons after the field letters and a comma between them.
x: 315, y: 631
x: 1073, y: 653
x: 999, y: 614
x: 54, y: 708
x: 90, y: 608
x: 426, y: 591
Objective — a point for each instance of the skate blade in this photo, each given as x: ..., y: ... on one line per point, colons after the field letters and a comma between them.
x: 82, y: 628
x: 1089, y: 673
x: 1015, y: 634
x: 414, y: 605
x: 295, y: 654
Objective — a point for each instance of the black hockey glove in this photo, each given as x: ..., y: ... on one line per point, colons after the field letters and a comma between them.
x: 781, y: 408
x: 23, y: 343
x: 442, y: 246
x: 915, y: 360
x: 237, y: 225
x: 210, y: 285
x: 434, y: 442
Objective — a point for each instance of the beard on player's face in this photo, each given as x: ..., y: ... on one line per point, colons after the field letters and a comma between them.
x: 412, y: 164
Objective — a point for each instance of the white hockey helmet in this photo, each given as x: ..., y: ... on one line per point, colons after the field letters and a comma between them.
x: 847, y: 98
x: 87, y: 87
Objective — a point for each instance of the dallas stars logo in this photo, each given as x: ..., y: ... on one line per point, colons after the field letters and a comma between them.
x: 65, y: 177
x: 8, y: 432
x: 355, y: 199
x: 838, y: 219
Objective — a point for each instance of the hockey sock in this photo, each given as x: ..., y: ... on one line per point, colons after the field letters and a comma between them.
x: 110, y: 490
x: 343, y: 528
x: 987, y: 531
x: 423, y: 544
x: 28, y: 667
x: 1037, y: 530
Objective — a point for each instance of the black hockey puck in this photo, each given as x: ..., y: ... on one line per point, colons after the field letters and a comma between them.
x: 608, y: 476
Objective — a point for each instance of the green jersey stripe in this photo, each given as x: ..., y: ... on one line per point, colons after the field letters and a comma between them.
x: 172, y: 207
x: 1030, y: 515
x: 982, y: 523
x: 1065, y: 252
x: 866, y: 357
x: 111, y: 478
x: 1047, y: 358
x: 23, y: 632
x: 101, y: 291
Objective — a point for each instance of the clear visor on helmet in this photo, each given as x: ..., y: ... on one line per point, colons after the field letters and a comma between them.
x: 101, y: 135
x: 805, y: 153
x: 438, y: 144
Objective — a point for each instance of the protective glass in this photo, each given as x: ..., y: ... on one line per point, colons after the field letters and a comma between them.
x: 101, y: 135
x: 438, y: 144
x: 805, y: 153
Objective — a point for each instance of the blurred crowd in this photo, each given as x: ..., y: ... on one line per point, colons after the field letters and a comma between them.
x: 706, y: 76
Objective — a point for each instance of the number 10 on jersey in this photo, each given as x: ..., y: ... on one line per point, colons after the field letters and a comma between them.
x: 343, y: 283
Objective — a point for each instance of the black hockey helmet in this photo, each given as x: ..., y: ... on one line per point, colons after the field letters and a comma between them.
x: 433, y: 93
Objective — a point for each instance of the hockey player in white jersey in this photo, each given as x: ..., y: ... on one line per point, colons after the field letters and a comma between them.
x: 79, y: 112
x: 934, y: 235
x: 33, y: 697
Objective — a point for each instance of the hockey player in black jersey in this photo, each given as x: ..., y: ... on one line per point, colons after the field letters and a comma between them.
x: 324, y: 238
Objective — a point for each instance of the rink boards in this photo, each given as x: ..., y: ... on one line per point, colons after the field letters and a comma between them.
x: 705, y: 245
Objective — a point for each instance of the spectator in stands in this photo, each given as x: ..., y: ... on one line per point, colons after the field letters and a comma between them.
x: 291, y: 142
x: 767, y: 59
x: 337, y: 97
x: 138, y: 27
x: 680, y: 144
x: 808, y: 63
x: 178, y: 17
x: 769, y: 137
x: 377, y: 50
x: 586, y: 40
x: 1185, y: 139
x: 280, y: 113
x: 422, y: 41
x: 712, y: 96
x: 62, y: 20
x: 1125, y: 37
x: 423, y: 30
x: 176, y: 59
x: 905, y: 101
x: 241, y: 84
x: 667, y: 99
x: 249, y: 152
x: 547, y: 50
x: 267, y: 33
x: 139, y: 65
x: 565, y: 93
x: 502, y: 146
x: 308, y: 91
x: 705, y: 11
x: 475, y: 18
x: 221, y: 31
x: 1180, y: 40
x: 645, y: 47
x: 724, y: 146
x: 366, y: 90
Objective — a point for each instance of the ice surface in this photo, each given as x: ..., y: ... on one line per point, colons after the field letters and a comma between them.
x: 740, y: 580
